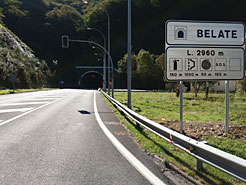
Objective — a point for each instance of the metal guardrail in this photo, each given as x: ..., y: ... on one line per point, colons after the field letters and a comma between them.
x: 219, y: 159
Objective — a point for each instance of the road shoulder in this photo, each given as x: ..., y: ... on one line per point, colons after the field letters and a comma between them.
x: 117, y: 128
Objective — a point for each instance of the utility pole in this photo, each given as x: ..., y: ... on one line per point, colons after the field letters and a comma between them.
x: 129, y: 71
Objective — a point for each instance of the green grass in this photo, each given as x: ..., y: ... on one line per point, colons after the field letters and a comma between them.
x: 9, y: 91
x: 158, y: 106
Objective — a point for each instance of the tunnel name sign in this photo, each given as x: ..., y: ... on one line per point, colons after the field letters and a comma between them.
x: 200, y: 50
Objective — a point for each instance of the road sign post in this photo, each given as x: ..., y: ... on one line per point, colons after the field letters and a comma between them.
x: 181, y: 87
x: 13, y: 79
x: 205, y: 50
x: 227, y: 90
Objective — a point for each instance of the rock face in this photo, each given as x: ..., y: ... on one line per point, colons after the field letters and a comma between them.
x: 17, y: 59
x: 8, y: 39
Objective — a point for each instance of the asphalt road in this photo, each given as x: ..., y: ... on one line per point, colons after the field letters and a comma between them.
x: 54, y: 138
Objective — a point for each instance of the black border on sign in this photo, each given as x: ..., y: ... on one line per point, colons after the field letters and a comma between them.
x: 195, y: 21
x: 203, y: 47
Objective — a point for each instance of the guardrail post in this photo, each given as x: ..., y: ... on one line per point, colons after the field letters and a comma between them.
x: 199, y: 165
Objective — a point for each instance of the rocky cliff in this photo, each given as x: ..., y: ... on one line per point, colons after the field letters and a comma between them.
x: 11, y: 41
x: 17, y: 59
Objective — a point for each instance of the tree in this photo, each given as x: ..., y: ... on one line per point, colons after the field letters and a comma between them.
x: 147, y: 70
x: 145, y: 64
x: 1, y: 15
x: 160, y: 65
x: 241, y: 85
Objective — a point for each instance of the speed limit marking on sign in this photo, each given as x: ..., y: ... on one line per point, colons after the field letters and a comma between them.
x: 204, y: 63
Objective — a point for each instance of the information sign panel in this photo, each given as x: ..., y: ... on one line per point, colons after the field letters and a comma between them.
x: 202, y: 63
x: 204, y: 50
x: 205, y: 33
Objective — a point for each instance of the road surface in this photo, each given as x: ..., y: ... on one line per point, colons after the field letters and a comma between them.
x: 56, y: 137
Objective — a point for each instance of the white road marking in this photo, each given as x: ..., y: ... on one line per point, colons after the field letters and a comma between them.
x: 19, y: 116
x: 40, y: 99
x: 1, y: 121
x: 16, y: 110
x: 129, y: 156
x: 24, y: 103
x: 51, y: 96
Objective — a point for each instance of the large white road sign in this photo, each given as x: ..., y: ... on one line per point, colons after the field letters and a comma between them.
x: 208, y: 33
x: 197, y: 50
x: 204, y: 63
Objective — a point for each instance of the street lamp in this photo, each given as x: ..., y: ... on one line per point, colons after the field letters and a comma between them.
x: 65, y: 44
x: 104, y: 57
x: 99, y: 55
x: 129, y: 78
x: 86, y: 2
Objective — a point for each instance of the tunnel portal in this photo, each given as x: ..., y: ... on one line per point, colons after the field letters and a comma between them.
x: 91, y: 80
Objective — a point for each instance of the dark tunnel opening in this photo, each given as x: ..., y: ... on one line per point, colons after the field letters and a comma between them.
x: 91, y: 80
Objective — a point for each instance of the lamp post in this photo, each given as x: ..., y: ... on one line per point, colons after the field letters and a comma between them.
x: 65, y: 44
x: 129, y: 71
x: 104, y: 56
x: 86, y: 2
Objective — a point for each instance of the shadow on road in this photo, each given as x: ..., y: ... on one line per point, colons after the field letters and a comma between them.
x: 87, y: 112
x: 84, y: 112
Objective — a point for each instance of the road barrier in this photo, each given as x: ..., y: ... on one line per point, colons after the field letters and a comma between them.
x: 219, y: 159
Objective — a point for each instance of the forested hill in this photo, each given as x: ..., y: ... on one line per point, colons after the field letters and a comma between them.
x: 41, y: 23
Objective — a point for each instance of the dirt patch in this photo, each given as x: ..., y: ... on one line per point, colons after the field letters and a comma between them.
x: 202, y: 130
x: 120, y: 133
x: 190, y: 112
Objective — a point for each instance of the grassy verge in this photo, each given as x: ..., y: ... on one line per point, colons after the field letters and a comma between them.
x: 164, y: 106
x: 9, y: 91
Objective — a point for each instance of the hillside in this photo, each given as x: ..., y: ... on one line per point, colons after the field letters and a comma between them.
x: 11, y: 41
x: 41, y: 23
x: 17, y: 59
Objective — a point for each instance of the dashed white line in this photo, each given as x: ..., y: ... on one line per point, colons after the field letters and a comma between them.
x: 129, y: 156
x: 16, y: 110
x: 24, y: 103
x: 51, y: 96
x: 19, y: 116
x: 41, y: 99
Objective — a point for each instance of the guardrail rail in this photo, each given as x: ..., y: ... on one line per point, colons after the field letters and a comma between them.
x: 219, y: 159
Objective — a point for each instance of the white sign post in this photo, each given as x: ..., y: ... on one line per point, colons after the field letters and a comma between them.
x: 205, y: 50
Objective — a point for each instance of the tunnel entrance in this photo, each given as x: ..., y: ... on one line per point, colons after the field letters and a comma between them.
x: 91, y: 80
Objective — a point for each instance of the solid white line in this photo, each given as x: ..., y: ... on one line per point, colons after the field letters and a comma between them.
x: 19, y: 116
x: 16, y: 110
x: 24, y: 103
x: 130, y: 157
